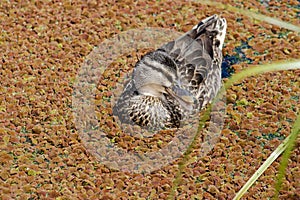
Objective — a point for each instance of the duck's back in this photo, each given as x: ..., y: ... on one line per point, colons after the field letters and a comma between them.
x: 198, y: 55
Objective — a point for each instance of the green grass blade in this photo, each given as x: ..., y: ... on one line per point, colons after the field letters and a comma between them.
x: 286, y: 143
x: 259, y: 69
x: 263, y: 168
x: 255, y: 70
x: 286, y: 146
x: 285, y: 157
x: 185, y: 159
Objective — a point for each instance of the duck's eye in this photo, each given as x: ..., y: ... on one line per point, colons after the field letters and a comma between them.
x: 217, y: 42
x: 135, y: 93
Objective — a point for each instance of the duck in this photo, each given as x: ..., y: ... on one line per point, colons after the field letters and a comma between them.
x: 175, y: 81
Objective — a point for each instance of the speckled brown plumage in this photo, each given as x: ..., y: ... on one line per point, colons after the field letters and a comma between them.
x: 176, y: 80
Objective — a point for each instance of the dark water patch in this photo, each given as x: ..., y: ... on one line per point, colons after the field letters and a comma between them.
x: 238, y: 57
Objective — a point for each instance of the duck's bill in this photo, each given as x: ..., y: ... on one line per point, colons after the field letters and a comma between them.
x: 183, y: 97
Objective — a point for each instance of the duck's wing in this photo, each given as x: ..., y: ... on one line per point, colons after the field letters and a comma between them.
x: 123, y: 104
x: 198, y: 54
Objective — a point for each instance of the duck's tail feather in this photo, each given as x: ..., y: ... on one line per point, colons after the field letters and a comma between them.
x: 208, y: 34
x: 213, y: 25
